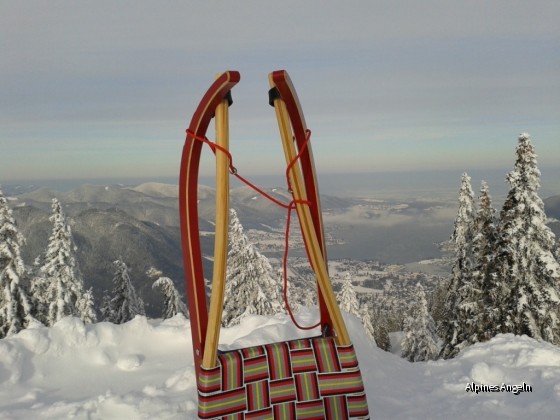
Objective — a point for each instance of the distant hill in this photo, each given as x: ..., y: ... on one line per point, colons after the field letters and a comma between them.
x: 156, y: 189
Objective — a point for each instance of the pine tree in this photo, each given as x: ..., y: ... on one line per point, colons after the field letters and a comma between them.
x: 453, y: 325
x: 294, y: 294
x: 438, y: 301
x: 59, y: 287
x: 476, y: 300
x: 172, y: 304
x: 39, y: 299
x: 525, y: 282
x: 346, y: 297
x: 251, y: 287
x: 365, y: 317
x: 125, y: 303
x: 309, y: 298
x: 381, y: 331
x: 15, y: 310
x: 105, y: 310
x: 85, y: 307
x: 420, y: 340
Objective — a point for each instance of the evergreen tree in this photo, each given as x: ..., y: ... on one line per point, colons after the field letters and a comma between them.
x: 525, y: 282
x: 308, y: 296
x: 59, y: 287
x: 438, y: 301
x: 346, y: 297
x: 420, y: 340
x: 172, y: 304
x: 15, y: 310
x: 294, y: 294
x: 453, y: 325
x: 85, y: 307
x: 476, y: 301
x: 365, y: 317
x: 348, y: 302
x: 125, y: 303
x: 39, y: 299
x: 379, y: 321
x: 381, y: 331
x: 251, y: 287
x: 105, y: 310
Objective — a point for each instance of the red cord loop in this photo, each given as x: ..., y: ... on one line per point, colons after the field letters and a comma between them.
x: 289, y: 207
x: 294, y: 160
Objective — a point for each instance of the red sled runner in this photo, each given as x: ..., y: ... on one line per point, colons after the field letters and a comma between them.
x: 311, y: 378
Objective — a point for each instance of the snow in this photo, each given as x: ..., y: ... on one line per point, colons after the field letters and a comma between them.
x: 143, y: 369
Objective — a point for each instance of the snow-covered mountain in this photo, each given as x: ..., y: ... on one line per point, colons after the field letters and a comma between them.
x: 144, y: 370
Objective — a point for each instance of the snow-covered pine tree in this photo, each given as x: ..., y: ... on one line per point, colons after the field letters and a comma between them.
x: 125, y: 303
x: 453, y: 324
x: 526, y: 281
x: 251, y: 286
x: 85, y: 307
x: 172, y: 302
x: 476, y: 303
x: 39, y: 299
x: 15, y: 310
x: 59, y: 285
x: 365, y: 317
x: 348, y: 302
x: 347, y: 298
x: 420, y: 339
x: 309, y: 298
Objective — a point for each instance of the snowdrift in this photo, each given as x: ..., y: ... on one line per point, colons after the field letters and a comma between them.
x: 143, y: 370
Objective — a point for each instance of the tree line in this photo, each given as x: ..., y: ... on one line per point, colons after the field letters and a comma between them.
x: 505, y: 276
x: 53, y: 288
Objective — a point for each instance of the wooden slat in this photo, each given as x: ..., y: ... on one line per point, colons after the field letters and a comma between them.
x: 289, y: 95
x: 306, y: 222
x: 220, y: 238
x: 188, y: 209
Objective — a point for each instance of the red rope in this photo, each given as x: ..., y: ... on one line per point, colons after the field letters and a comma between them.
x: 290, y: 207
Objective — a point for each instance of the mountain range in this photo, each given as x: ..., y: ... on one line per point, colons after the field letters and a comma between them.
x: 140, y: 225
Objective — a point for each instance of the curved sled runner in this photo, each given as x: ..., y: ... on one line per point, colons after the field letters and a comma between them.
x: 311, y: 378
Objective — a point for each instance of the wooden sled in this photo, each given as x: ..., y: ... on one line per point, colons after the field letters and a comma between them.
x: 312, y: 378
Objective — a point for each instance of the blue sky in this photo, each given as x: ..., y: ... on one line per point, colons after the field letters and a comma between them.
x: 105, y: 89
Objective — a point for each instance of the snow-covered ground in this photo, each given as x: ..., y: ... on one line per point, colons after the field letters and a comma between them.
x: 144, y: 370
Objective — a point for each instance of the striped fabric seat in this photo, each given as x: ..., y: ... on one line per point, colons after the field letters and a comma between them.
x: 300, y: 379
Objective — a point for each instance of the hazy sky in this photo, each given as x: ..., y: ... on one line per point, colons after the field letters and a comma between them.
x: 107, y: 88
